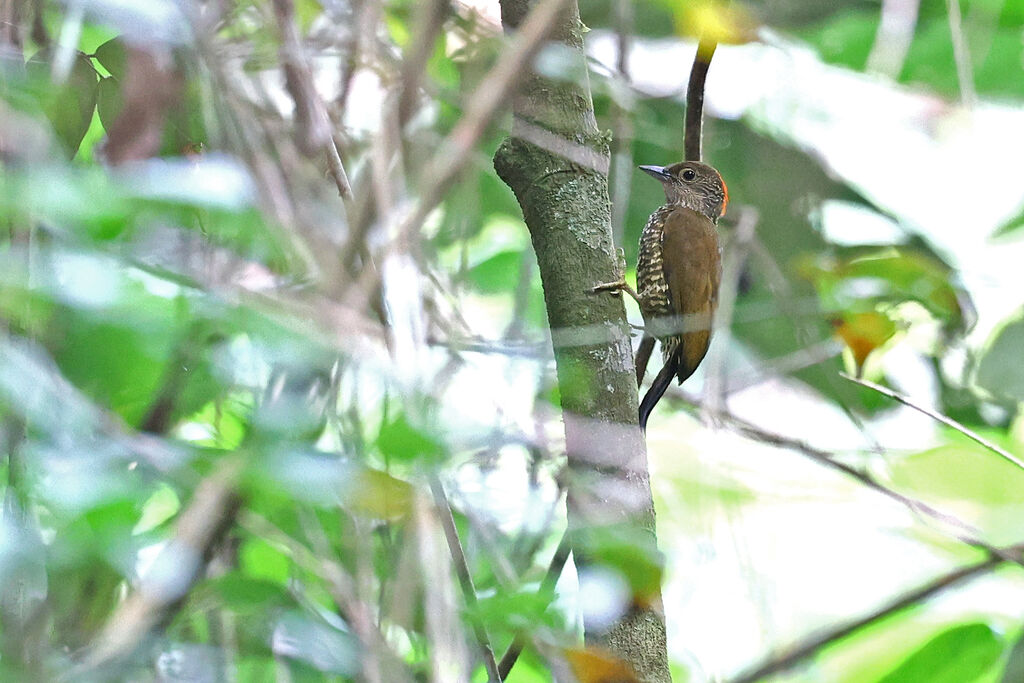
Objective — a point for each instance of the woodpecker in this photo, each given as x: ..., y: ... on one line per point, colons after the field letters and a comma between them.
x: 678, y: 271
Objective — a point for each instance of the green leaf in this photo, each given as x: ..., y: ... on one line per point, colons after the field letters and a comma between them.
x: 376, y: 494
x: 245, y: 594
x: 401, y: 441
x: 963, y: 470
x: 68, y: 106
x: 845, y: 39
x: 959, y: 655
x: 113, y: 55
x: 858, y: 279
x: 848, y: 37
x: 1014, y: 671
x: 1011, y: 227
x: 161, y: 506
x: 636, y: 559
x: 261, y: 560
x: 315, y: 644
x: 1000, y: 371
x: 516, y: 610
x: 109, y: 101
x: 307, y: 11
x: 499, y: 273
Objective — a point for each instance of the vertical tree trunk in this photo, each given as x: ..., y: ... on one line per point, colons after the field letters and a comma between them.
x: 556, y: 162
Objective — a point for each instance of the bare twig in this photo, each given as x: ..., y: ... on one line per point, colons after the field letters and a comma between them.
x: 342, y: 588
x: 449, y: 659
x: 622, y: 123
x: 961, y: 54
x: 732, y: 270
x: 967, y: 534
x: 948, y: 421
x: 11, y: 38
x: 828, y: 459
x: 456, y: 150
x: 895, y: 33
x: 786, y: 364
x: 695, y: 98
x: 176, y: 569
x: 313, y: 124
x: 547, y: 588
x: 465, y: 577
x: 429, y: 20
x: 816, y: 642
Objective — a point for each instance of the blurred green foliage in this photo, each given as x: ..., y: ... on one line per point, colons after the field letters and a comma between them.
x: 153, y: 322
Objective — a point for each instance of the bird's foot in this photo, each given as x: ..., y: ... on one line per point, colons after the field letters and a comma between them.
x: 612, y: 287
x: 620, y: 285
x: 615, y: 289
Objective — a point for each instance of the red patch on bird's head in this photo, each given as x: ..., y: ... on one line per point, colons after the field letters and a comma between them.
x: 725, y: 196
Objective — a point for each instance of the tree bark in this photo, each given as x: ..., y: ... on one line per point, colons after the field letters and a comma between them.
x: 556, y: 163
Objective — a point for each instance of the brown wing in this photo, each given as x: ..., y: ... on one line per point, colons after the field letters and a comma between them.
x: 693, y: 270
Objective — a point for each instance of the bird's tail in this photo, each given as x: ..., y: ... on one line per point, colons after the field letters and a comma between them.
x: 659, y: 386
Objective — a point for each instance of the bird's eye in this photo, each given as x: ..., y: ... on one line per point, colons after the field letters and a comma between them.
x: 689, y: 174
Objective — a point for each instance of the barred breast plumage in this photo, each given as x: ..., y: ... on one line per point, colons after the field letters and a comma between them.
x: 679, y: 269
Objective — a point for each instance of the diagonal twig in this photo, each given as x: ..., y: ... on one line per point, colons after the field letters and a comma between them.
x: 966, y: 533
x: 961, y: 54
x: 451, y: 534
x: 313, y: 123
x: 380, y: 664
x: 201, y: 525
x: 457, y: 149
x: 818, y: 641
x: 948, y: 421
x: 547, y: 587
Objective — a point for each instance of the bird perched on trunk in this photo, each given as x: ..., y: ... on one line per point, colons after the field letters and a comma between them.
x: 679, y: 270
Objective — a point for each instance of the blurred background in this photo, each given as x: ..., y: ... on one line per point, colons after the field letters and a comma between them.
x: 262, y: 298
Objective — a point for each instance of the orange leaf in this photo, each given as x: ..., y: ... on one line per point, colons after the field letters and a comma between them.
x: 863, y: 333
x: 593, y: 665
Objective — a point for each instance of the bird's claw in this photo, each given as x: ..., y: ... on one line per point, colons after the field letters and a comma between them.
x: 613, y: 288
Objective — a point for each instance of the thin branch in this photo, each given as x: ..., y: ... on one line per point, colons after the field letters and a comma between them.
x: 735, y: 260
x: 895, y: 33
x: 429, y: 20
x: 816, y: 642
x: 967, y: 535
x: 313, y: 123
x: 451, y: 534
x: 181, y: 563
x: 695, y: 98
x: 457, y: 149
x: 342, y: 589
x: 547, y: 588
x: 622, y: 121
x: 948, y: 421
x: 961, y: 54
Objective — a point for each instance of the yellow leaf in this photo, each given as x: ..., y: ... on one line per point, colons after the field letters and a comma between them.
x: 716, y: 21
x: 377, y: 494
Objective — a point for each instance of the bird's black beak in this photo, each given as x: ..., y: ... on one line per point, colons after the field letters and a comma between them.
x: 659, y: 172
